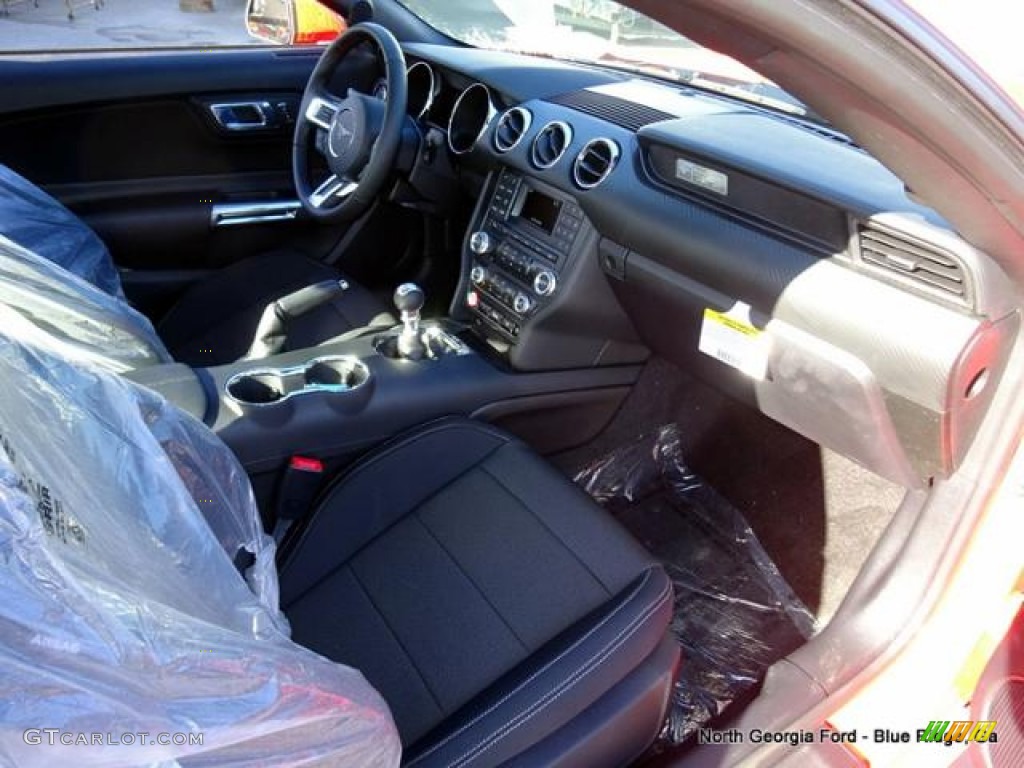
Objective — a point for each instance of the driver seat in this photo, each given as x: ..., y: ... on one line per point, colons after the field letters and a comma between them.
x: 214, y: 321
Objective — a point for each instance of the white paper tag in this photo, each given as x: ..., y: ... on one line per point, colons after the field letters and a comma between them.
x: 732, y: 338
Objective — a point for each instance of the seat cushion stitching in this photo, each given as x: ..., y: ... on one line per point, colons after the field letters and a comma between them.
x: 384, y: 531
x: 548, y: 528
x: 555, y: 693
x: 339, y: 483
x: 407, y: 441
x: 469, y: 578
x: 397, y: 639
x: 633, y: 593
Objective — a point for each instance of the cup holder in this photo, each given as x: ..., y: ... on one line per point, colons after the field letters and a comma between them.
x: 269, y: 386
x: 257, y: 388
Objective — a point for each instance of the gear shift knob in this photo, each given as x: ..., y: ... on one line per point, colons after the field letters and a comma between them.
x: 409, y: 298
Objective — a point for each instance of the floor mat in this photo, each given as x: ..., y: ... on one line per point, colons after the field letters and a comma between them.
x: 817, y: 514
x: 734, y: 615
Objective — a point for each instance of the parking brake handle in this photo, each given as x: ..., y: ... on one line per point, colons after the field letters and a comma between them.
x: 272, y: 331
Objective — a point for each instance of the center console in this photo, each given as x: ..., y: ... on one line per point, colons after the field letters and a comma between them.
x: 536, y: 343
x: 335, y: 401
x: 531, y: 286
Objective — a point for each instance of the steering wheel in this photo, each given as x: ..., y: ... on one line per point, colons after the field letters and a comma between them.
x: 357, y: 135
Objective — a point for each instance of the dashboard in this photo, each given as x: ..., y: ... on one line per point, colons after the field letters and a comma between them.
x: 617, y: 216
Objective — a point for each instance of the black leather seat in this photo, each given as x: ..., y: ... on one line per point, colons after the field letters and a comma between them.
x: 214, y: 322
x: 500, y: 612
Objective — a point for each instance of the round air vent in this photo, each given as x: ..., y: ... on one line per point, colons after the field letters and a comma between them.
x: 550, y: 144
x: 594, y: 162
x: 470, y: 117
x: 511, y: 128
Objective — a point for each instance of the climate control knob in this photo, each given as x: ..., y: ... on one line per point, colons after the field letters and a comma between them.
x: 480, y: 243
x: 545, y: 283
x: 522, y: 304
x: 478, y: 275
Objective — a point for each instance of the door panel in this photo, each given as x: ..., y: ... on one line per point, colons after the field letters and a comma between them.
x: 130, y: 142
x: 32, y: 83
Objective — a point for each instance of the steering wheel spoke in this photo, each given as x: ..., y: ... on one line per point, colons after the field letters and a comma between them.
x: 321, y: 111
x: 332, y: 188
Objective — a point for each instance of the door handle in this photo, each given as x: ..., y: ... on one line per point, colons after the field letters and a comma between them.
x: 245, y: 115
x: 255, y: 212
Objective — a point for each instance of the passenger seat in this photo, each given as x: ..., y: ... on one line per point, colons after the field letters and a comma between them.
x: 497, y: 609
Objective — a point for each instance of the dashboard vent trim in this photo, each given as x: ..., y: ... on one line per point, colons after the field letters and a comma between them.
x: 550, y: 144
x: 914, y: 261
x: 594, y: 162
x: 620, y: 112
x: 511, y: 128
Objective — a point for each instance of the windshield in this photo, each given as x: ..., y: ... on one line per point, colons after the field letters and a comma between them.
x: 599, y: 31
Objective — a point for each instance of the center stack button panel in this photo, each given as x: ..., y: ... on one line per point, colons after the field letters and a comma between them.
x: 518, y: 251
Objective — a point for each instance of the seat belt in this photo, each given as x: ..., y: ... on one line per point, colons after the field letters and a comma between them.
x: 296, y: 491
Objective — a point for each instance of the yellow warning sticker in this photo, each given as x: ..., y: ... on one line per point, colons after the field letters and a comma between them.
x: 732, y: 338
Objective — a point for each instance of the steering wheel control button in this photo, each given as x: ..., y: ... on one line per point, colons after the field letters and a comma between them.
x: 480, y: 243
x: 545, y: 283
x: 320, y: 113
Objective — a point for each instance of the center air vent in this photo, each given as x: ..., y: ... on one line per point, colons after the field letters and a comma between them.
x: 511, y: 128
x: 594, y: 162
x: 550, y: 144
x: 916, y: 262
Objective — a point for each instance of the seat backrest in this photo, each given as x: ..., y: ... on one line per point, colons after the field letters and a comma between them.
x: 140, y: 593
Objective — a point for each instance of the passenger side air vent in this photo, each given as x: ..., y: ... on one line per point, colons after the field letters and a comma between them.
x: 511, y: 128
x: 916, y: 262
x: 594, y: 162
x: 625, y: 114
x: 550, y: 144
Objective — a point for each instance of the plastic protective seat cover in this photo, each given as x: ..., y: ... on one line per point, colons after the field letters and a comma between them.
x: 124, y: 610
x: 83, y: 322
x: 55, y: 271
x: 37, y: 221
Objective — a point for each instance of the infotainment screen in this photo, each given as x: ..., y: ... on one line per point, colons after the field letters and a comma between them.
x: 539, y: 209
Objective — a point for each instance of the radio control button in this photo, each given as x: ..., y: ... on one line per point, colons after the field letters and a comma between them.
x: 522, y: 304
x: 545, y: 283
x: 480, y: 243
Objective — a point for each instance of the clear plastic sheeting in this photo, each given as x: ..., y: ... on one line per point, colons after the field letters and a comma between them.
x: 36, y: 221
x: 140, y: 621
x: 85, y: 322
x: 734, y: 614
